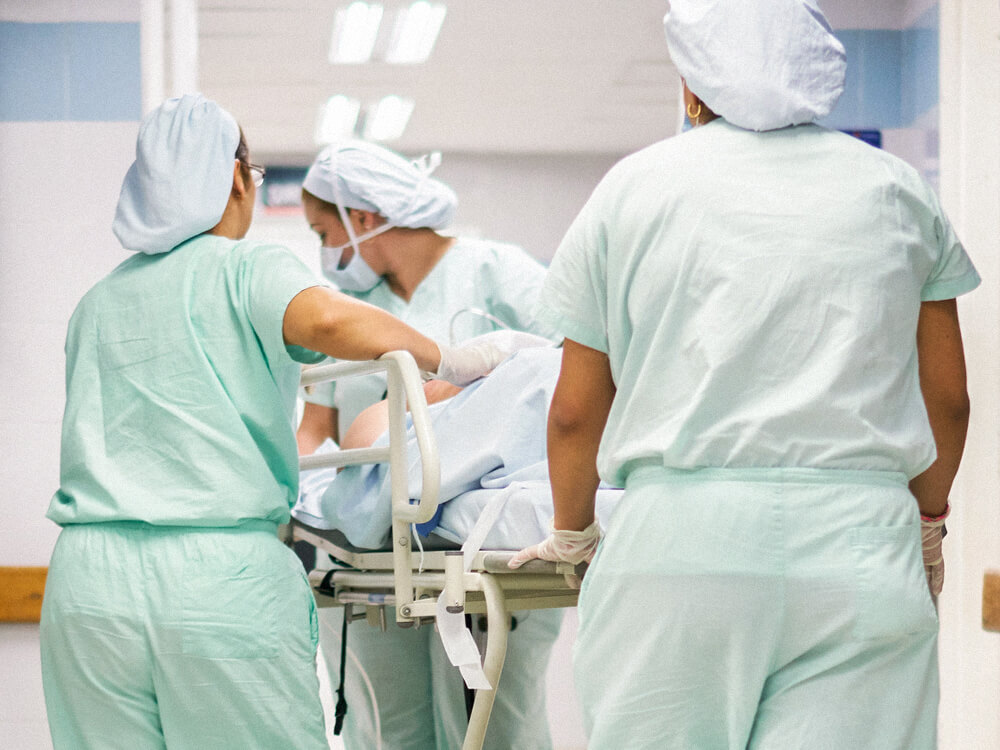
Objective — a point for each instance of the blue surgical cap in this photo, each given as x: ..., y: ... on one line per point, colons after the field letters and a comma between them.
x: 179, y: 184
x: 760, y: 65
x: 361, y: 175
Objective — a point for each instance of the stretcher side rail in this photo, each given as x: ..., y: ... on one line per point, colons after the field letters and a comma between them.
x: 404, y: 387
x: 410, y: 582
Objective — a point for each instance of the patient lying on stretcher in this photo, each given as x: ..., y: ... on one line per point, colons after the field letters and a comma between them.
x: 491, y: 439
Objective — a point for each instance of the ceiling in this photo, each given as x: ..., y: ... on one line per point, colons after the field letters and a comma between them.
x: 506, y: 76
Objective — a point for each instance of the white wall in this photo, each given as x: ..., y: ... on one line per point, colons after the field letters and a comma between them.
x: 59, y: 183
x: 970, y: 189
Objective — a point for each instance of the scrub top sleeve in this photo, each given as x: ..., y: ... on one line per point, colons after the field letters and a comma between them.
x: 574, y: 298
x: 953, y: 274
x: 517, y: 281
x: 275, y: 277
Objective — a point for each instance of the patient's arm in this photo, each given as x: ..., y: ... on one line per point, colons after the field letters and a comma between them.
x: 318, y: 423
x: 374, y: 420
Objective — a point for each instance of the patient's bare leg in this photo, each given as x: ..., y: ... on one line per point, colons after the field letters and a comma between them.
x: 374, y: 420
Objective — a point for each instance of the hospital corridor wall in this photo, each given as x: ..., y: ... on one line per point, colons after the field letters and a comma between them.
x: 70, y: 101
x: 67, y: 134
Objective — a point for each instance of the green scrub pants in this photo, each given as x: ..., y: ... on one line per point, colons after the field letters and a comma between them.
x: 179, y: 637
x: 761, y: 610
x: 420, y: 696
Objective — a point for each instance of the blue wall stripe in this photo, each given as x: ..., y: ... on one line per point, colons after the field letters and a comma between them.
x: 87, y: 72
x: 920, y: 52
x: 871, y: 89
x: 892, y: 76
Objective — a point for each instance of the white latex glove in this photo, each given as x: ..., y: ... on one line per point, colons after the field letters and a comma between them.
x: 460, y: 365
x: 478, y: 356
x: 572, y: 547
x: 931, y: 536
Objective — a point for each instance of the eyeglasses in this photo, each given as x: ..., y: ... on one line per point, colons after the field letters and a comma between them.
x: 257, y: 174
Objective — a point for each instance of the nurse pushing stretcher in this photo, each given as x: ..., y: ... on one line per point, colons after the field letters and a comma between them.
x: 173, y: 615
x: 763, y: 349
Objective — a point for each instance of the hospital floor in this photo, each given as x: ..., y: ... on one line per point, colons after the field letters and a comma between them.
x: 22, y: 705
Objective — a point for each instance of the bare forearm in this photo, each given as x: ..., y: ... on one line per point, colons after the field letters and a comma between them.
x: 573, y: 473
x: 577, y: 416
x: 368, y: 333
x: 932, y: 487
x: 337, y: 325
x: 943, y: 384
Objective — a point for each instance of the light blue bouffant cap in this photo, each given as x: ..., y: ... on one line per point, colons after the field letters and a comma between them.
x: 760, y: 65
x: 361, y: 175
x: 180, y: 181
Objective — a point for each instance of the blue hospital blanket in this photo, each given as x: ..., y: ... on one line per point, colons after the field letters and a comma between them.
x: 490, y: 435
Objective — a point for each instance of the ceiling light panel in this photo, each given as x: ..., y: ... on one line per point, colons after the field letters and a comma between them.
x: 337, y: 119
x: 355, y: 30
x: 387, y: 120
x: 415, y: 32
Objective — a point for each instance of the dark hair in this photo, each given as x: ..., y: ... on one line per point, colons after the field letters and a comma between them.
x: 324, y: 205
x: 243, y: 155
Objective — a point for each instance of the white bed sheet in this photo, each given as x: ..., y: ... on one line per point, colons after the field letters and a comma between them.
x: 524, y: 520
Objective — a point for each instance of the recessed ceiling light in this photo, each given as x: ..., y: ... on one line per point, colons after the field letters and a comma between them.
x: 354, y: 33
x: 415, y: 32
x: 337, y: 119
x: 387, y: 120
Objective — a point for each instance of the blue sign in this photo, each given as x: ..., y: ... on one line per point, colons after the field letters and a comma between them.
x: 283, y: 187
x: 871, y: 137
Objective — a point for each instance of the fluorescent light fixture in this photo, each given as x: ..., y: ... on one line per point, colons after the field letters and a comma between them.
x: 415, y: 32
x: 337, y: 119
x: 354, y: 32
x: 387, y: 120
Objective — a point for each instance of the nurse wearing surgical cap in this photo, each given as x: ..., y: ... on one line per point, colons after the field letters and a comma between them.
x: 381, y: 221
x: 173, y: 615
x: 762, y: 348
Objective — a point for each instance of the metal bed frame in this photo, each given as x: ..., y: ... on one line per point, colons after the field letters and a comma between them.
x: 411, y: 582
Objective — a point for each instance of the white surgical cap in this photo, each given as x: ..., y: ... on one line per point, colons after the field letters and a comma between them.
x: 361, y: 175
x: 761, y: 65
x: 180, y: 181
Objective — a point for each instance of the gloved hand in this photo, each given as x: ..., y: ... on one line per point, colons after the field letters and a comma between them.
x: 476, y: 357
x: 931, y: 536
x: 573, y: 547
x: 460, y: 365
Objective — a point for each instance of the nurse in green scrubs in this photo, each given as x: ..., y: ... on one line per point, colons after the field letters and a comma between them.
x: 381, y: 220
x: 763, y: 348
x: 173, y: 615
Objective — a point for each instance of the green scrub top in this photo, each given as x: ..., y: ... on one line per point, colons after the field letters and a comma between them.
x: 757, y: 295
x: 496, y: 278
x: 180, y: 390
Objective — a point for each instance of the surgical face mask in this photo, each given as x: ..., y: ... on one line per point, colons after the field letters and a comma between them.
x: 329, y: 257
x: 356, y: 276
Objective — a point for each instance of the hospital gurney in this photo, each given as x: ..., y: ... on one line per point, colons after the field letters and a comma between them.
x: 430, y: 584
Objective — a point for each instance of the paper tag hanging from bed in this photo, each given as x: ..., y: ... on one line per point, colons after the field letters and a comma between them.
x: 460, y: 646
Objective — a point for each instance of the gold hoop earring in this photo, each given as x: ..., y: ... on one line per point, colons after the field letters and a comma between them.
x: 694, y: 117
